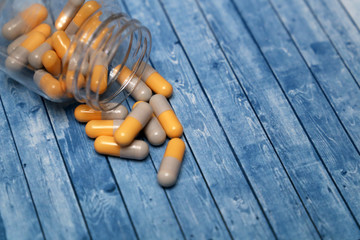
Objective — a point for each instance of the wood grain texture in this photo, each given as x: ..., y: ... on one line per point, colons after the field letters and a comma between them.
x: 353, y: 8
x: 99, y: 197
x: 332, y: 75
x: 207, y: 140
x: 342, y: 32
x: 53, y: 195
x: 240, y: 123
x: 317, y: 117
x: 18, y: 218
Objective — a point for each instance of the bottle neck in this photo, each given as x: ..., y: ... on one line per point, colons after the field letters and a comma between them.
x: 103, y: 47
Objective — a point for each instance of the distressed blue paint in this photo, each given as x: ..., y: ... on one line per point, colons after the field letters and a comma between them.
x: 321, y: 124
x: 341, y: 31
x: 240, y: 123
x: 206, y: 138
x: 353, y: 8
x: 329, y: 70
x: 100, y: 200
x: 18, y: 219
x: 53, y: 196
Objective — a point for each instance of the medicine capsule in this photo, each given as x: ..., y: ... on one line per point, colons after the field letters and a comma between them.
x: 43, y: 28
x: 84, y: 113
x: 106, y: 145
x: 153, y: 131
x: 35, y: 57
x: 19, y: 56
x: 24, y: 21
x: 156, y: 82
x: 96, y: 128
x: 133, y: 124
x: 171, y: 162
x: 139, y: 92
x: 166, y: 116
x: 51, y: 62
x: 81, y: 16
x: 48, y: 84
x: 67, y: 14
x: 99, y: 74
x: 60, y: 43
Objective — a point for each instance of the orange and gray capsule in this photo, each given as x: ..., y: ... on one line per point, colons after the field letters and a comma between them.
x: 166, y: 116
x: 156, y: 82
x: 81, y: 16
x: 171, y: 162
x: 43, y: 28
x: 52, y: 62
x: 19, y: 56
x: 35, y: 57
x: 96, y: 128
x: 153, y: 131
x: 24, y: 21
x: 67, y: 14
x: 84, y: 113
x: 133, y: 124
x: 139, y: 92
x: 106, y: 145
x: 48, y: 84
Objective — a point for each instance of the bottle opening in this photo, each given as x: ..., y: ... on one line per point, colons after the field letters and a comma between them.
x: 105, y: 60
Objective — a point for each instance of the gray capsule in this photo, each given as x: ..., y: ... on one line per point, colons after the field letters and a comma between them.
x: 120, y: 112
x: 154, y: 132
x: 137, y: 150
x: 140, y: 92
x: 71, y: 29
x: 14, y: 28
x: 169, y: 171
x: 17, y: 42
x: 18, y: 59
x: 35, y: 58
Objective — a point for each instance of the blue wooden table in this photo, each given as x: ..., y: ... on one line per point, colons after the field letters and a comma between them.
x: 268, y: 93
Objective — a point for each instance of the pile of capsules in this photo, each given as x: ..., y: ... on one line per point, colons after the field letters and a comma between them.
x: 115, y: 131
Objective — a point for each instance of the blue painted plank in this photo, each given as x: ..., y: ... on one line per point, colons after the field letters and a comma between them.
x: 273, y: 110
x: 317, y: 117
x: 353, y: 8
x: 53, y: 195
x: 335, y: 80
x: 18, y: 217
x: 245, y: 134
x: 342, y: 32
x: 332, y: 75
x: 99, y: 197
x: 207, y: 141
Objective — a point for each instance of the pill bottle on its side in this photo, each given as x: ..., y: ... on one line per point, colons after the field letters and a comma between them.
x: 102, y: 53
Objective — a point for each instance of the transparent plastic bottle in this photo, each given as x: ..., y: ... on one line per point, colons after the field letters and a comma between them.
x: 103, y: 61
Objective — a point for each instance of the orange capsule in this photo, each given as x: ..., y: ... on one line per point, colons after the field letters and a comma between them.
x: 95, y: 128
x: 166, y: 116
x: 48, y: 84
x: 137, y: 150
x: 171, y: 162
x: 67, y: 14
x: 84, y: 113
x: 133, y: 124
x: 51, y: 62
x: 138, y: 89
x: 24, y: 21
x: 60, y: 43
x: 156, y: 82
x: 99, y: 74
x: 19, y: 56
x: 81, y: 16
